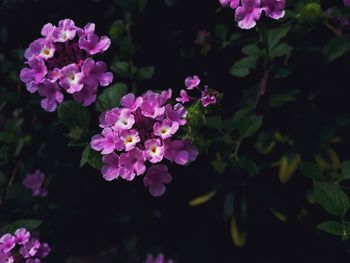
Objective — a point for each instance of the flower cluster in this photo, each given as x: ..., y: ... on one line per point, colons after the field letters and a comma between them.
x: 207, y: 96
x: 159, y: 259
x: 346, y: 2
x: 34, y: 182
x: 142, y: 130
x: 248, y: 12
x: 22, y: 246
x: 62, y: 60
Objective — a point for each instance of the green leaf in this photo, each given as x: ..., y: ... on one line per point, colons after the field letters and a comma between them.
x: 279, y: 99
x: 249, y: 125
x: 73, y: 115
x: 311, y: 170
x: 345, y: 169
x: 336, y: 48
x: 242, y: 67
x: 229, y: 205
x: 332, y: 227
x: 144, y: 73
x: 274, y: 36
x: 85, y: 156
x: 247, y: 165
x: 29, y: 224
x: 121, y: 68
x: 95, y: 160
x: 215, y: 122
x: 220, y: 32
x: 116, y: 30
x: 331, y: 198
x: 110, y: 97
x: 252, y: 50
x: 218, y: 164
x: 280, y: 50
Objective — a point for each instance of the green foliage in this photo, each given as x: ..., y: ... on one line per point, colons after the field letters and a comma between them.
x: 333, y: 227
x: 336, y: 48
x: 331, y: 198
x: 243, y: 67
x: 110, y: 97
x: 249, y: 125
x: 247, y: 165
x: 311, y: 170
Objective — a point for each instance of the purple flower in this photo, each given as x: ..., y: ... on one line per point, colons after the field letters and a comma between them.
x: 132, y: 163
x: 110, y: 169
x: 180, y: 151
x: 43, y: 250
x: 34, y: 182
x: 165, y: 129
x: 30, y: 248
x: 34, y: 75
x: 7, y: 243
x: 52, y: 93
x: 274, y: 8
x: 183, y: 97
x: 72, y: 78
x: 232, y: 3
x: 159, y: 259
x: 33, y: 260
x: 95, y: 73
x: 155, y: 179
x: 124, y: 121
x: 64, y: 58
x: 130, y: 102
x: 65, y: 31
x: 207, y: 97
x: 177, y: 114
x: 346, y: 2
x: 248, y: 13
x: 91, y: 42
x: 6, y: 258
x: 192, y: 82
x: 152, y: 105
x: 107, y: 143
x: 130, y: 138
x: 22, y: 236
x: 154, y: 150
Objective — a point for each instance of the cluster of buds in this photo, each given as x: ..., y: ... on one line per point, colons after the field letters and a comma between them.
x: 22, y: 246
x: 207, y: 96
x: 248, y: 12
x: 62, y: 60
x: 143, y: 130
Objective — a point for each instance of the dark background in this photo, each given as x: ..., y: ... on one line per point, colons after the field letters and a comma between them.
x: 97, y: 221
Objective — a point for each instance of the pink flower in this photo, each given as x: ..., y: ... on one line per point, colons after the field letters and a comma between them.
x: 154, y: 150
x: 110, y: 169
x: 165, y: 129
x: 66, y: 30
x: 248, y: 13
x: 91, y: 42
x: 177, y: 114
x: 7, y: 243
x: 130, y: 102
x: 183, y: 97
x: 152, y: 105
x: 52, y: 93
x: 159, y: 259
x: 192, y: 82
x: 130, y: 138
x: 34, y: 75
x: 107, y: 143
x: 274, y: 8
x: 155, y: 179
x: 64, y: 58
x: 72, y: 78
x: 207, y: 97
x: 30, y: 248
x: 6, y: 258
x: 124, y: 121
x: 180, y: 151
x: 232, y: 3
x: 132, y: 163
x: 34, y: 182
x: 22, y: 236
